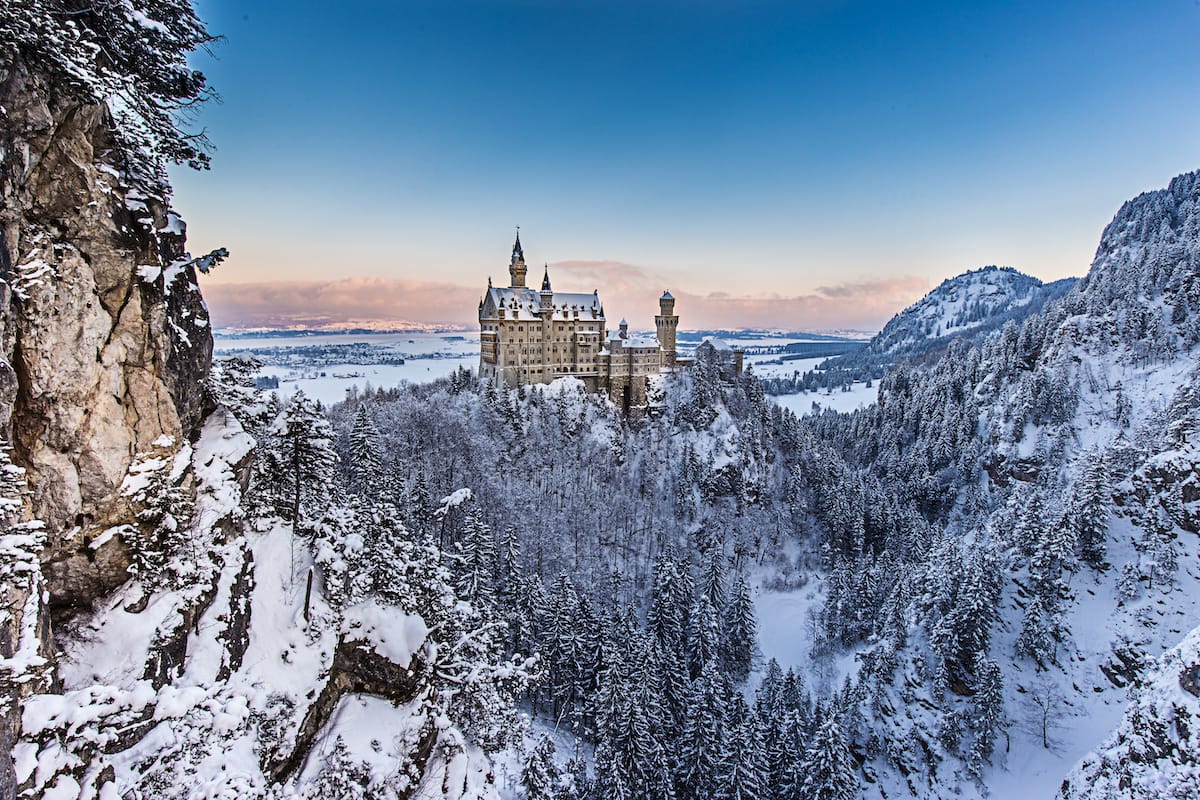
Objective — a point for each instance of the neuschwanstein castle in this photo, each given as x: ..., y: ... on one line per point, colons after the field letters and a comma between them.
x: 529, y: 336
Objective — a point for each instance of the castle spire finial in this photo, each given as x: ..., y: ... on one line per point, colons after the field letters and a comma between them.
x: 546, y: 279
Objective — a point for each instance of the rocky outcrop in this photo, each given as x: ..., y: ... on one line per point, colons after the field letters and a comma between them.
x: 104, y: 351
x: 358, y: 669
x: 105, y: 343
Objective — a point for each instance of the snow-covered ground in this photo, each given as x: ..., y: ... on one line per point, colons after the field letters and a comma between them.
x: 804, y: 403
x: 426, y: 357
x: 773, y: 367
x: 310, y: 362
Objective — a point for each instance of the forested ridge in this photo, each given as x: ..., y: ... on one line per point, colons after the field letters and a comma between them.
x: 951, y: 528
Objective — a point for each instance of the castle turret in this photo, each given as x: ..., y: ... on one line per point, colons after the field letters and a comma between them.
x: 516, y: 267
x: 666, y: 324
x: 624, y: 329
x: 546, y: 295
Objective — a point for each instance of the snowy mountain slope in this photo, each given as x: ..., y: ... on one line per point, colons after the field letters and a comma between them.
x: 974, y: 302
x: 1153, y: 751
x: 969, y: 307
x: 1059, y: 462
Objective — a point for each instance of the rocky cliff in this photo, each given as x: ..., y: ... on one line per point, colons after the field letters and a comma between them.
x: 104, y: 350
x: 105, y: 335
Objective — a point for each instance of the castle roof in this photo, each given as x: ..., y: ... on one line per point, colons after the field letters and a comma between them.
x: 523, y: 304
x: 639, y: 341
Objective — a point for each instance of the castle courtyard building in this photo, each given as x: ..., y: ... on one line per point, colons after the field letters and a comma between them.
x: 528, y: 336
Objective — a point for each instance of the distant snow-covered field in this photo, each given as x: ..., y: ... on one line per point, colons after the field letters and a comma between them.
x: 328, y: 367
x: 321, y: 364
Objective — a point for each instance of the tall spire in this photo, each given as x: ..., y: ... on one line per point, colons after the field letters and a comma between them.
x: 546, y: 279
x: 516, y: 266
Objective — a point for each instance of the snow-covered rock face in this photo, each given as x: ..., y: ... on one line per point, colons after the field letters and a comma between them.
x: 98, y: 363
x: 1155, y: 750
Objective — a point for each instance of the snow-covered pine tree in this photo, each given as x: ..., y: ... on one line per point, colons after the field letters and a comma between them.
x: 365, y: 465
x: 341, y: 777
x: 671, y: 592
x: 1090, y: 505
x: 704, y: 635
x: 1157, y: 556
x: 740, y: 635
x: 475, y: 560
x: 161, y: 554
x: 987, y: 718
x: 1039, y: 628
x: 828, y: 768
x: 540, y: 775
x: 703, y: 741
x: 743, y: 773
x: 231, y: 383
x: 306, y: 456
x: 134, y: 60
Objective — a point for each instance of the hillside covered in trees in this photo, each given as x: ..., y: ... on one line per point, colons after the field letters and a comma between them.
x: 970, y: 306
x: 458, y: 590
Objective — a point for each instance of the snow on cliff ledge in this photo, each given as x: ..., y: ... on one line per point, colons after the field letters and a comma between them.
x: 1155, y: 751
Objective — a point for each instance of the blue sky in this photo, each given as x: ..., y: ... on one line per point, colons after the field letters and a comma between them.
x: 814, y: 164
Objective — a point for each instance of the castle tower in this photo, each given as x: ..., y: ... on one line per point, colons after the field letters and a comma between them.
x: 546, y: 295
x: 516, y: 267
x: 666, y: 323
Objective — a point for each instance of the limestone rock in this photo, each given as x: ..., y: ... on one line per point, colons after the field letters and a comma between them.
x: 106, y: 342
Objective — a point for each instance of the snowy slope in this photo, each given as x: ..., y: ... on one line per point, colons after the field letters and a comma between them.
x: 1154, y: 750
x: 974, y: 301
x: 998, y: 444
x: 969, y: 307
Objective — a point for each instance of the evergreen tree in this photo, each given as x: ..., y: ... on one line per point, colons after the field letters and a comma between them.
x: 231, y: 383
x: 307, y: 457
x: 713, y: 580
x: 987, y: 713
x: 540, y: 776
x: 789, y: 760
x: 828, y: 768
x: 94, y: 52
x: 739, y: 640
x: 1038, y: 630
x: 164, y: 551
x: 743, y: 763
x: 702, y: 743
x: 475, y: 560
x: 366, y: 465
x: 342, y: 778
x: 1156, y: 547
x: 671, y: 592
x: 1090, y: 508
x: 704, y: 635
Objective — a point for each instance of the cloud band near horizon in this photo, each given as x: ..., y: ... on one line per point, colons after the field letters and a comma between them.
x: 626, y: 290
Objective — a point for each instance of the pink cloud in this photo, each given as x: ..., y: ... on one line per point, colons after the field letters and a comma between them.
x: 389, y: 302
x: 626, y: 290
x: 632, y: 291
